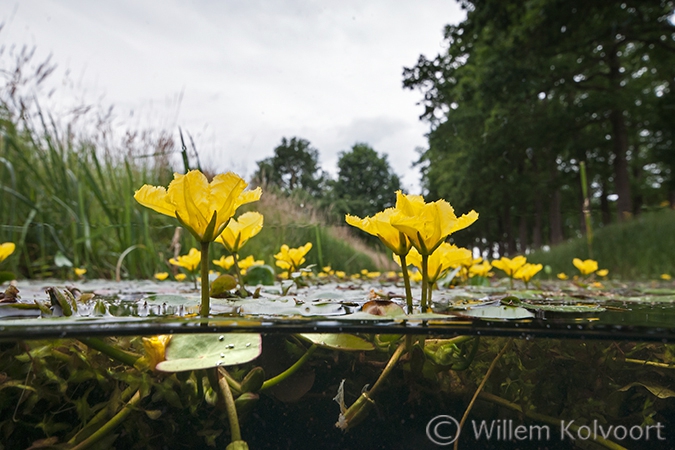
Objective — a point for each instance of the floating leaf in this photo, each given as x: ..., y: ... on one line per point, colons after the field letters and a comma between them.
x: 347, y: 342
x: 498, y: 312
x: 262, y: 274
x: 203, y: 351
x: 221, y: 286
x: 382, y: 308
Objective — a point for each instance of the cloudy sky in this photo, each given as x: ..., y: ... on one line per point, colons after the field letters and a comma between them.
x: 241, y: 74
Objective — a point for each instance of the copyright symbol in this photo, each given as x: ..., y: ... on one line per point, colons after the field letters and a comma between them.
x: 443, y: 430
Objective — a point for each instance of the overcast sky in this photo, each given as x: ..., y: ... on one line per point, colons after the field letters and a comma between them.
x: 241, y: 74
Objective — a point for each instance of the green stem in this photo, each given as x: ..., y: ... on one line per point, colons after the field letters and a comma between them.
x: 235, y: 432
x: 205, y: 308
x: 543, y: 418
x: 240, y: 278
x: 390, y: 366
x: 291, y: 370
x: 425, y: 283
x: 406, y: 282
x: 124, y: 396
x: 110, y: 426
x: 114, y: 353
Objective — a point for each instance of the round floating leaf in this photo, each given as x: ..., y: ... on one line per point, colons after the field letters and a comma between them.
x: 263, y: 274
x: 383, y: 308
x: 347, y: 342
x: 202, y: 351
x: 222, y: 286
x: 498, y: 312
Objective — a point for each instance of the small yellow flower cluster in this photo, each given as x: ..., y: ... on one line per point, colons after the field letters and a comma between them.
x: 517, y: 268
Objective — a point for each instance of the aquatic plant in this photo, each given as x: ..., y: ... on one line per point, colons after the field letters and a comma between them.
x: 235, y: 235
x: 290, y: 259
x: 204, y: 208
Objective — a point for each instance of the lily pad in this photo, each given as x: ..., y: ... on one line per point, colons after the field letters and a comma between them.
x: 346, y: 342
x: 499, y: 312
x: 203, y: 351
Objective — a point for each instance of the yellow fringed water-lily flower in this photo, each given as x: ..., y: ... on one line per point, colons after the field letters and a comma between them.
x: 508, y: 265
x: 250, y: 261
x: 224, y: 262
x: 155, y: 349
x: 527, y: 271
x: 445, y: 257
x: 602, y: 273
x: 292, y: 258
x: 161, y: 276
x: 427, y: 225
x: 6, y: 249
x: 203, y: 208
x: 481, y: 269
x: 239, y: 231
x: 379, y: 225
x: 666, y: 277
x: 562, y: 276
x: 180, y: 276
x: 190, y: 261
x: 80, y: 271
x: 586, y: 267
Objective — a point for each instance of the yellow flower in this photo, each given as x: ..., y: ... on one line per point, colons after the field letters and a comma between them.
x: 292, y: 258
x: 415, y: 276
x: 250, y: 261
x: 427, y: 224
x: 508, y: 265
x: 445, y: 257
x: 190, y: 261
x: 161, y: 276
x: 602, y: 272
x: 6, y: 249
x: 586, y: 267
x: 340, y: 274
x: 373, y: 274
x: 180, y: 276
x: 203, y: 208
x: 155, y: 349
x: 80, y: 271
x: 666, y: 277
x: 379, y: 225
x: 562, y: 276
x: 480, y: 270
x: 527, y: 271
x: 224, y: 262
x: 240, y: 230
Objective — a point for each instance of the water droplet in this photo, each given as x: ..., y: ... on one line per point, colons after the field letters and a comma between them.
x: 248, y: 344
x: 222, y: 355
x: 219, y: 363
x: 221, y: 338
x: 230, y: 345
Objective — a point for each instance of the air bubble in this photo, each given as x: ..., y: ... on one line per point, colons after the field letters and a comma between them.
x: 221, y: 338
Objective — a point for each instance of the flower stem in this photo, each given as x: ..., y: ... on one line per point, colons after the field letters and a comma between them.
x: 291, y: 370
x: 406, y: 282
x: 109, y: 426
x: 425, y: 283
x: 112, y: 352
x: 390, y: 366
x: 205, y: 307
x: 240, y: 278
x: 235, y: 432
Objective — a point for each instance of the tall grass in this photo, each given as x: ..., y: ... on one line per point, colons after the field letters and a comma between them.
x: 641, y: 248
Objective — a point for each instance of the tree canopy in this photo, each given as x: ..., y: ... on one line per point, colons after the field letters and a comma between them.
x: 526, y: 91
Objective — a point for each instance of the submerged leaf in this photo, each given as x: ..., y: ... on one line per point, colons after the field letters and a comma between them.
x: 203, y: 351
x: 346, y: 342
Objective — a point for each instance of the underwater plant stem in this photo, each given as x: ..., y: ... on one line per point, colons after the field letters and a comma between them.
x: 240, y: 278
x: 235, y: 432
x: 124, y: 396
x: 406, y: 282
x: 110, y: 425
x: 390, y: 366
x: 425, y: 283
x: 554, y: 421
x: 114, y: 353
x: 291, y: 370
x: 205, y: 307
x: 482, y: 385
x: 649, y: 363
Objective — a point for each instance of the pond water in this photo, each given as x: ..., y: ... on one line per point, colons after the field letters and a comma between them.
x: 339, y: 365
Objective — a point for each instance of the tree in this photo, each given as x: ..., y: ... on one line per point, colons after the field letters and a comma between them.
x: 528, y: 89
x: 365, y: 183
x: 295, y: 165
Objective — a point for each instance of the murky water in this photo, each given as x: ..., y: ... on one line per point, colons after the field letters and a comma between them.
x: 561, y: 367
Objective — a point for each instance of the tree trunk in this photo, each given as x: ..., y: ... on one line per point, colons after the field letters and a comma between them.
x: 555, y: 218
x: 537, y: 240
x: 604, y: 205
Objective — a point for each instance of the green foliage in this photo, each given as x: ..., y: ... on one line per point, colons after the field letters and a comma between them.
x: 641, y: 248
x: 295, y: 165
x: 365, y: 183
x: 527, y: 90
